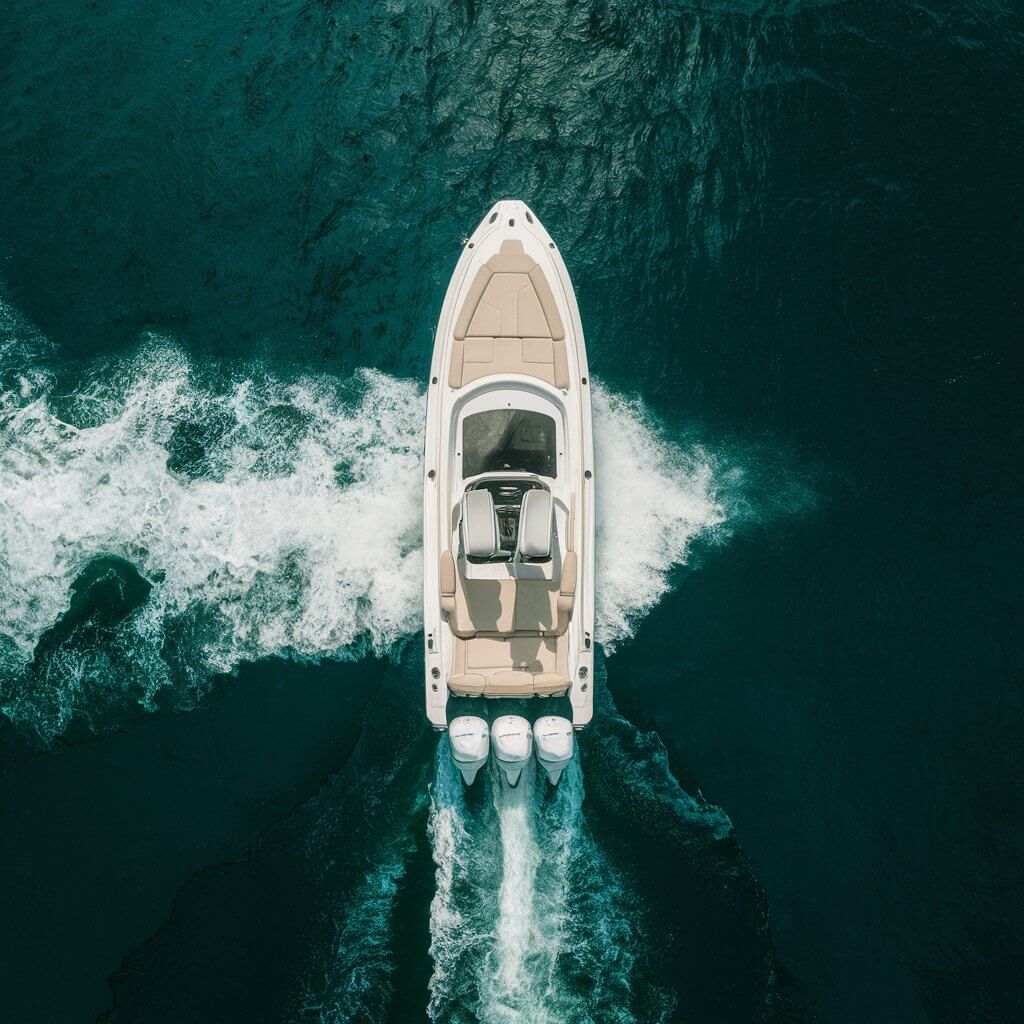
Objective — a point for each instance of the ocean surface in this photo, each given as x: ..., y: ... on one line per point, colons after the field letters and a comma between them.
x: 795, y: 233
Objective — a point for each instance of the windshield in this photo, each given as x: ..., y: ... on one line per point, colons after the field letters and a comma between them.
x: 508, y: 440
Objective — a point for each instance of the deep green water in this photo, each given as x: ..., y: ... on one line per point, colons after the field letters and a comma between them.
x: 795, y: 235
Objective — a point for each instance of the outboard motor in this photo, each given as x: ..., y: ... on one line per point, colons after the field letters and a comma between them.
x: 470, y: 744
x: 553, y: 737
x: 513, y: 746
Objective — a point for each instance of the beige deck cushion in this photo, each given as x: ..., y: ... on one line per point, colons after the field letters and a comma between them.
x: 549, y: 683
x: 487, y: 654
x: 484, y: 606
x: 455, y: 365
x: 472, y: 300
x: 546, y: 607
x: 511, y: 258
x: 447, y: 582
x: 519, y: 666
x: 566, y: 591
x: 537, y: 350
x: 467, y: 685
x: 513, y: 608
x: 561, y: 364
x: 509, y: 307
x: 536, y: 606
x: 509, y: 301
x: 542, y: 358
x: 542, y: 290
x: 508, y: 683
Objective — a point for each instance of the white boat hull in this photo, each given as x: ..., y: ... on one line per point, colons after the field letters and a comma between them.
x: 548, y: 376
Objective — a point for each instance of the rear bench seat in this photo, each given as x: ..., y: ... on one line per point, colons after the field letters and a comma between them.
x: 509, y: 323
x: 510, y: 666
x: 509, y: 634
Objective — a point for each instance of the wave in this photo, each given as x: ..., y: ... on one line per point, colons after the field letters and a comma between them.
x: 655, y: 498
x: 361, y: 977
x: 269, y: 516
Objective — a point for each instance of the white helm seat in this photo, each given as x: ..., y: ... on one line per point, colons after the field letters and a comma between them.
x: 536, y: 526
x: 479, y: 526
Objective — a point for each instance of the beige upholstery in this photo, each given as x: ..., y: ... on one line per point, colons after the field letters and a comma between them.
x: 509, y: 634
x: 476, y: 290
x: 467, y: 685
x: 547, y: 302
x: 484, y: 606
x: 511, y: 258
x: 535, y: 357
x: 448, y: 576
x: 548, y: 683
x: 512, y: 608
x: 520, y: 666
x: 509, y: 323
x: 536, y: 606
x: 560, y: 361
x: 508, y: 683
x: 509, y: 308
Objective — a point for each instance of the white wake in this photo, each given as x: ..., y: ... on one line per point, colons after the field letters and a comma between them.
x: 529, y: 922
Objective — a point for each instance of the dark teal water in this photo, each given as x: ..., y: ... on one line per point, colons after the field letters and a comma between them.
x: 795, y: 236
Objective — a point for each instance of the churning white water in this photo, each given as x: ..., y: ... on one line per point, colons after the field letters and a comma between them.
x: 655, y: 498
x: 529, y: 922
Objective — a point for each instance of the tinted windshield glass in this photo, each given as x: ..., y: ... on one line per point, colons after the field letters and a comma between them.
x: 508, y: 439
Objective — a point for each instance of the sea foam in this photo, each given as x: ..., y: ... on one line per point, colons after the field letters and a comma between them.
x: 655, y: 498
x: 272, y: 517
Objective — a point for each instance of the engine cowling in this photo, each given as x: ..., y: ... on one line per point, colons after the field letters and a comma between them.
x: 469, y: 741
x: 553, y: 742
x: 512, y: 739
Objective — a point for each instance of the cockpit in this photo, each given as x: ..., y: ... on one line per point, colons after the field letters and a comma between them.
x: 507, y: 513
x: 508, y: 583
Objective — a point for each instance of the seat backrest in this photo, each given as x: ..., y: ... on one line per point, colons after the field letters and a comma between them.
x: 536, y: 526
x: 479, y: 525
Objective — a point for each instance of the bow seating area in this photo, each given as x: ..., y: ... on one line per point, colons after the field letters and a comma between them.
x: 509, y: 323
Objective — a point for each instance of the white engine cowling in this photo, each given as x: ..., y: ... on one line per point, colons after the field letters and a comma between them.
x: 554, y: 744
x: 468, y: 737
x: 513, y: 745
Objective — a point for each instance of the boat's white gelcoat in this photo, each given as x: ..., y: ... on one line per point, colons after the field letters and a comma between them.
x: 573, y: 487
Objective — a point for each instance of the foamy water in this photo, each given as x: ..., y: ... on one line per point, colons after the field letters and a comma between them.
x: 655, y: 497
x: 273, y: 518
x: 529, y: 923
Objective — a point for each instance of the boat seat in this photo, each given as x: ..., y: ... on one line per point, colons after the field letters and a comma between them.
x: 478, y: 524
x: 542, y: 358
x: 536, y: 526
x: 509, y: 323
x: 484, y: 606
x: 509, y: 298
x: 510, y: 667
x: 508, y: 608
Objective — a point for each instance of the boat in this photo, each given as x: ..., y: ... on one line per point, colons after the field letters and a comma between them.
x: 508, y: 506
